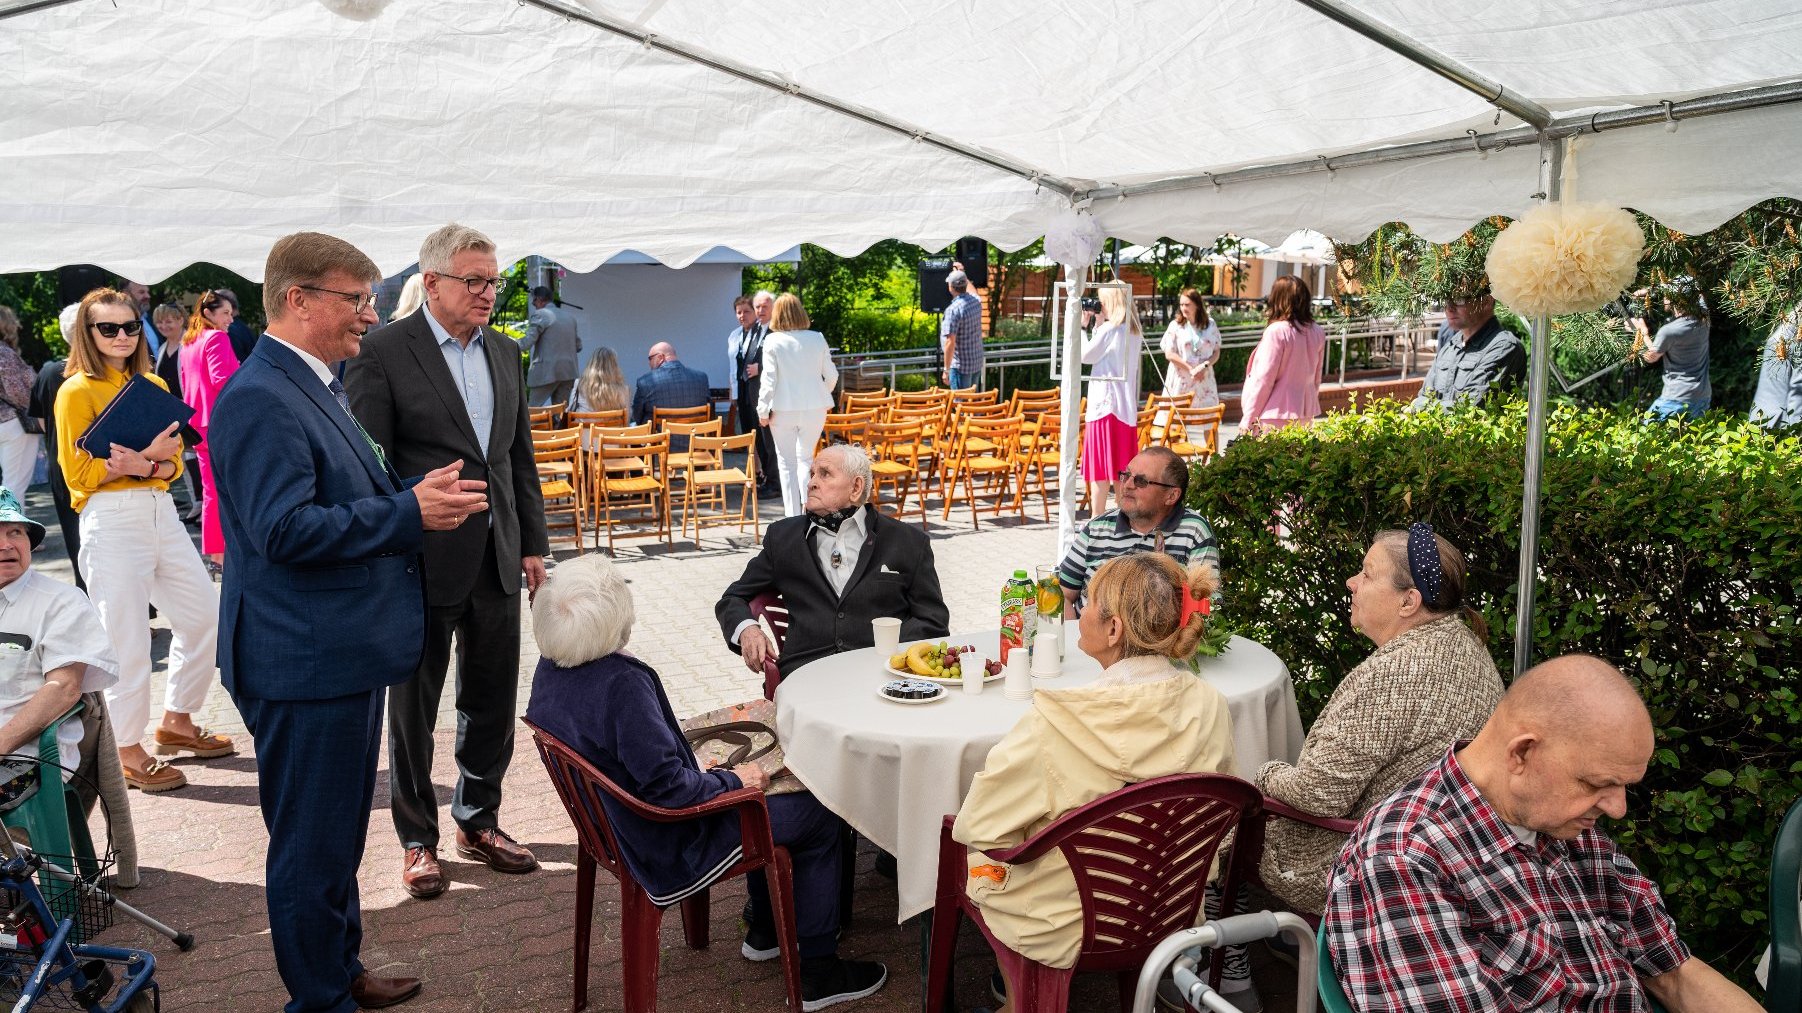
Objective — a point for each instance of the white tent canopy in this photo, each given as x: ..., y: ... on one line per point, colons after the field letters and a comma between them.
x: 144, y: 135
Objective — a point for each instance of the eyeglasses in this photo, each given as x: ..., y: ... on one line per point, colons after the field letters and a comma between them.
x: 360, y: 300
x: 108, y: 329
x: 1140, y: 481
x: 475, y: 283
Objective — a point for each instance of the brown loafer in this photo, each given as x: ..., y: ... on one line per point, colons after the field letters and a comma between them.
x: 420, y: 874
x: 371, y: 992
x: 204, y: 745
x: 493, y: 848
x: 159, y: 776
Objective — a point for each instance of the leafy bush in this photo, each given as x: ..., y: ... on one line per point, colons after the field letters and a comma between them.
x: 1675, y: 552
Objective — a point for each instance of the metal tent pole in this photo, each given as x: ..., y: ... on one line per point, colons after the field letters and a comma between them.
x: 1069, y: 470
x: 1551, y: 173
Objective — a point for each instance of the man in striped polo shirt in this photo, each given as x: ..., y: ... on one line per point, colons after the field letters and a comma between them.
x: 1151, y: 518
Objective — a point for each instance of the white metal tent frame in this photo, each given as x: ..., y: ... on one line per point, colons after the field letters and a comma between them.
x: 1542, y: 129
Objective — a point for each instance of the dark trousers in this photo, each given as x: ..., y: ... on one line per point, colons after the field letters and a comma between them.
x: 813, y: 836
x: 66, y: 518
x: 747, y: 423
x: 316, y: 763
x: 486, y: 629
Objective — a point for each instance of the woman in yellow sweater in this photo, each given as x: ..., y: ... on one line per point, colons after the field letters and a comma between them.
x: 1143, y: 718
x: 135, y: 552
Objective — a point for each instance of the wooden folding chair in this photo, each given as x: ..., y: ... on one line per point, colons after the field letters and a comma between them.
x: 1194, y: 433
x: 847, y: 427
x: 558, y: 457
x: 593, y: 465
x: 660, y: 416
x: 988, y: 411
x: 1032, y: 402
x: 997, y: 466
x: 633, y: 474
x: 1040, y: 451
x: 617, y: 417
x: 711, y: 481
x: 879, y: 400
x: 543, y: 418
x: 1155, y: 418
x: 895, y: 461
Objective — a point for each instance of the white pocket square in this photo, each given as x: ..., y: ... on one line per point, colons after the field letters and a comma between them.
x: 885, y: 569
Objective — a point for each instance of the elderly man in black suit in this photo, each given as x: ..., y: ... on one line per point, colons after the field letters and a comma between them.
x: 442, y: 385
x: 838, y: 566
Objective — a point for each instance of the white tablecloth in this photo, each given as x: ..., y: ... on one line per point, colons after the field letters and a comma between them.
x: 894, y: 771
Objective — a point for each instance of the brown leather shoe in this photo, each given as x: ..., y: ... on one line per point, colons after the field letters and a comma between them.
x: 420, y: 874
x: 372, y: 992
x: 493, y: 848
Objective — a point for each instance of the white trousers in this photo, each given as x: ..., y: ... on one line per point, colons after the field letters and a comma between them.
x: 795, y: 434
x: 135, y: 553
x: 18, y: 457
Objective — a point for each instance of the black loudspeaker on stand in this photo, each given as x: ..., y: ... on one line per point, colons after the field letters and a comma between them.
x: 935, y: 295
x: 74, y: 282
x: 973, y: 253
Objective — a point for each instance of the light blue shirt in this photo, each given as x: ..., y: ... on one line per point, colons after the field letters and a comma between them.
x: 469, y: 371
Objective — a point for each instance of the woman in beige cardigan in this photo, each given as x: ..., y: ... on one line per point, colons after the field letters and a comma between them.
x: 1429, y: 683
x: 1143, y: 718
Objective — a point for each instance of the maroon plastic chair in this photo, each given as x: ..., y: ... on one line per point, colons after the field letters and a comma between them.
x: 1277, y: 809
x: 769, y: 608
x: 581, y: 787
x: 1140, y: 856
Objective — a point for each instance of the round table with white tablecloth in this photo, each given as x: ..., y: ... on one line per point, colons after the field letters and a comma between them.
x: 894, y: 771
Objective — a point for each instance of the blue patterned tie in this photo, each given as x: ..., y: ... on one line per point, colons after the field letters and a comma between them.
x: 337, y: 390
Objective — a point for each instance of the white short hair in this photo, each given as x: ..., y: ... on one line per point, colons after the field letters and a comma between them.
x: 66, y: 321
x: 436, y: 252
x: 583, y: 612
x: 856, y: 463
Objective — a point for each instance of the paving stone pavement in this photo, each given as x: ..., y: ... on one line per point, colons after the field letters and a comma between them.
x: 495, y: 942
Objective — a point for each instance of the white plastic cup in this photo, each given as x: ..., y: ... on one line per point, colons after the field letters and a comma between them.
x: 1016, y: 680
x: 975, y: 669
x: 887, y: 634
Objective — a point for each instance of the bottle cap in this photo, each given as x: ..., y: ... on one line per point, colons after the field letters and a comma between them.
x: 1019, y: 574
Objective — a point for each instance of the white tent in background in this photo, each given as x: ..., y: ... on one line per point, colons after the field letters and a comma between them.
x: 143, y: 135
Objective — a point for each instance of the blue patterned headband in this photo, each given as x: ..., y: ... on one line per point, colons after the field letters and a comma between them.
x: 1423, y: 563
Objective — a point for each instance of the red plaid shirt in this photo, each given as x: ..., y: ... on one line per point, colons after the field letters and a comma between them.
x: 1436, y: 905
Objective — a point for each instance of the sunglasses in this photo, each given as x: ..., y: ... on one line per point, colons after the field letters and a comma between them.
x: 1140, y: 481
x: 108, y: 329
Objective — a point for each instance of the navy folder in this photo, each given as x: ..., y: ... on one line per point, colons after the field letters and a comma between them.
x: 135, y: 417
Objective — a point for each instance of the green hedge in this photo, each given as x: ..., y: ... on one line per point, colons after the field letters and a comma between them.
x: 1673, y: 551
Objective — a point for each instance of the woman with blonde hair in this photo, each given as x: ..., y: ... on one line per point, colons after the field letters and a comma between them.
x: 207, y: 361
x: 412, y: 296
x: 1145, y: 717
x: 602, y: 385
x: 1111, y: 425
x: 135, y: 552
x: 20, y: 434
x: 1282, y: 384
x: 796, y: 393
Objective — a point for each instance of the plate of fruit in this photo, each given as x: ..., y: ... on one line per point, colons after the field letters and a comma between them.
x: 940, y: 662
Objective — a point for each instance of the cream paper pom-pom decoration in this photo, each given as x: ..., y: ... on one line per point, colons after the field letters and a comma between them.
x: 1565, y: 258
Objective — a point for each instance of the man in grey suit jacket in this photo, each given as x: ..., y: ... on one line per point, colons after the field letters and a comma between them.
x: 552, y: 340
x: 441, y: 385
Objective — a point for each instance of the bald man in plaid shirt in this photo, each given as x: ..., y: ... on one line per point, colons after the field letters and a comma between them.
x: 1485, y: 885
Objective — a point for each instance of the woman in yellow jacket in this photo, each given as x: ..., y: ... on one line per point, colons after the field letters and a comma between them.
x: 1143, y: 718
x: 135, y: 552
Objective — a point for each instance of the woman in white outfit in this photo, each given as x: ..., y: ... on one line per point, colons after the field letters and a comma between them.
x: 18, y: 447
x: 796, y: 394
x: 1191, y: 347
x: 135, y: 552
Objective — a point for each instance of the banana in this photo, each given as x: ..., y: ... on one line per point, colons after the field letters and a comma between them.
x: 898, y: 662
x: 918, y: 660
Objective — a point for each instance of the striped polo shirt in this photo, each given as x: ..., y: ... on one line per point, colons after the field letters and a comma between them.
x: 1183, y: 536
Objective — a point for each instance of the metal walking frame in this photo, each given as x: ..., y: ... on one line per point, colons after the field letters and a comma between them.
x: 1178, y: 952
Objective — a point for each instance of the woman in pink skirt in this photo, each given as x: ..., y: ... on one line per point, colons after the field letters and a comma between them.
x: 207, y: 361
x: 1282, y: 384
x: 1111, y: 425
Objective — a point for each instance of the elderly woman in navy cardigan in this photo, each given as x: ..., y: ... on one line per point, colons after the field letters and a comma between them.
x: 611, y: 708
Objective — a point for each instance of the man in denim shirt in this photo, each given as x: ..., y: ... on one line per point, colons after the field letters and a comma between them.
x: 1475, y: 355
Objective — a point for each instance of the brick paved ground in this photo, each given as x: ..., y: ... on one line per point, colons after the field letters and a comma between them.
x: 495, y: 942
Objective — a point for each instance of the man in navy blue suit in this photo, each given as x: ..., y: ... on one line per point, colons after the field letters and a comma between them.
x: 323, y: 607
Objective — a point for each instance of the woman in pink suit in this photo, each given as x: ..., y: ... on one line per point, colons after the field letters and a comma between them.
x: 207, y: 361
x: 1282, y: 384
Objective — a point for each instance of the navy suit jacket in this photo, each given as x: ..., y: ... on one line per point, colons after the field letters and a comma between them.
x: 322, y: 596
